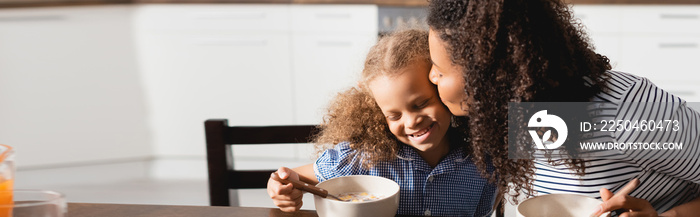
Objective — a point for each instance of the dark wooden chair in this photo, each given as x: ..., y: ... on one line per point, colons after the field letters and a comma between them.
x: 222, y: 175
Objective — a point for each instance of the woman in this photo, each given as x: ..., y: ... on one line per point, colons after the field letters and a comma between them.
x: 487, y: 53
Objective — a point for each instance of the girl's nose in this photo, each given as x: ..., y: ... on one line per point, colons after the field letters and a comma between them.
x: 413, y: 120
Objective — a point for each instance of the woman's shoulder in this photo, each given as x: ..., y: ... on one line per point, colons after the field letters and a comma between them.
x: 618, y: 82
x: 626, y: 87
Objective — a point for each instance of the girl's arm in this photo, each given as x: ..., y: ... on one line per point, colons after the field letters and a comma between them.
x: 306, y: 174
x: 285, y: 196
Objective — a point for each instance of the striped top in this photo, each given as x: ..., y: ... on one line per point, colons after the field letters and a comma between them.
x: 666, y: 181
x: 453, y: 188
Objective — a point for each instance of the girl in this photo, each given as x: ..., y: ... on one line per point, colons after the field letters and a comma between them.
x: 393, y: 125
x: 487, y: 53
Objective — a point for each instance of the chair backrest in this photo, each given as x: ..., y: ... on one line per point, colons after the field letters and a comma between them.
x: 220, y: 137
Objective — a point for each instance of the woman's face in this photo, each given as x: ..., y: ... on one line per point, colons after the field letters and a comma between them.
x: 412, y: 108
x: 447, y: 76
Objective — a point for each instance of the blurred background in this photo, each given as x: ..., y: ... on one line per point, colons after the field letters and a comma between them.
x: 105, y: 100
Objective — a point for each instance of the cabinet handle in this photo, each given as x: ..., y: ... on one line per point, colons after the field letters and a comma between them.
x: 230, y: 42
x: 677, y: 45
x: 334, y: 43
x: 33, y: 18
x: 679, y: 16
x: 229, y: 16
x: 333, y: 16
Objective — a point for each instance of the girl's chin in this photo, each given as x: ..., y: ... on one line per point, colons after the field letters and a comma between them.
x: 424, y: 147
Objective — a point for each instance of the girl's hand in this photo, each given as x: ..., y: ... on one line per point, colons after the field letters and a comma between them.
x: 286, y: 197
x: 636, y: 207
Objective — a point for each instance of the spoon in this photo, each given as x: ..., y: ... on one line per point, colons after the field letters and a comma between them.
x: 305, y: 187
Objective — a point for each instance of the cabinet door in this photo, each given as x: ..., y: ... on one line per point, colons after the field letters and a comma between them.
x: 330, y: 43
x: 323, y: 66
x: 662, y: 58
x: 602, y: 24
x: 193, y: 77
x: 599, y: 18
x: 660, y: 20
x: 334, y: 19
x: 70, y: 91
x: 609, y: 45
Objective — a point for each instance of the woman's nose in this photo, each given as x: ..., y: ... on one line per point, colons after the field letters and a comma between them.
x: 433, y: 75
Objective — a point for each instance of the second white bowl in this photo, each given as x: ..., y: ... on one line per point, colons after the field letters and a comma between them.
x: 559, y: 205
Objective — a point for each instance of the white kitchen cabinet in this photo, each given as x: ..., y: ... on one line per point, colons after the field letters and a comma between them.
x: 662, y: 58
x: 252, y: 64
x: 661, y: 43
x: 70, y: 92
x: 602, y: 23
x: 323, y: 66
x: 214, y: 70
x: 610, y: 46
x: 599, y: 18
x: 661, y: 20
x: 334, y: 19
x: 329, y: 46
x: 190, y: 78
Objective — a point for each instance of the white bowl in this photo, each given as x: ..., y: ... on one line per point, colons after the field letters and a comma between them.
x: 559, y: 205
x: 385, y: 207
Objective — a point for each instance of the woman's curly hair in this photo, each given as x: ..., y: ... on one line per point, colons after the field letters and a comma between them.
x: 515, y: 51
x: 353, y: 115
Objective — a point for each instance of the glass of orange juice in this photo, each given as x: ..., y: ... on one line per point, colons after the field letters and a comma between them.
x: 7, y: 177
x: 35, y: 203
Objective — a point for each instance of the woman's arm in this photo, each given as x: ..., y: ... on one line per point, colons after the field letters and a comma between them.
x: 640, y: 207
x: 688, y: 120
x: 691, y: 208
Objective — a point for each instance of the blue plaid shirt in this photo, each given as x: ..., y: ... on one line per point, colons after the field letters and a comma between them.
x: 453, y: 188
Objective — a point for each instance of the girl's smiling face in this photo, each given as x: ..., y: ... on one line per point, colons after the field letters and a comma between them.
x: 447, y: 76
x: 412, y: 107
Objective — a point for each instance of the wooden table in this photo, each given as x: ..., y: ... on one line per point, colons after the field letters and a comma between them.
x: 128, y: 210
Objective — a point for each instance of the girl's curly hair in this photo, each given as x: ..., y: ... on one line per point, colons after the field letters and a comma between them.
x: 515, y: 51
x: 353, y: 115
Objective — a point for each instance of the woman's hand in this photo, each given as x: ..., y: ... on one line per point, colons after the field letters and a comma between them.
x: 635, y: 207
x: 286, y: 197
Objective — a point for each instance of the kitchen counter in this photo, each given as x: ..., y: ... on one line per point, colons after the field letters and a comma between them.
x: 48, y: 3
